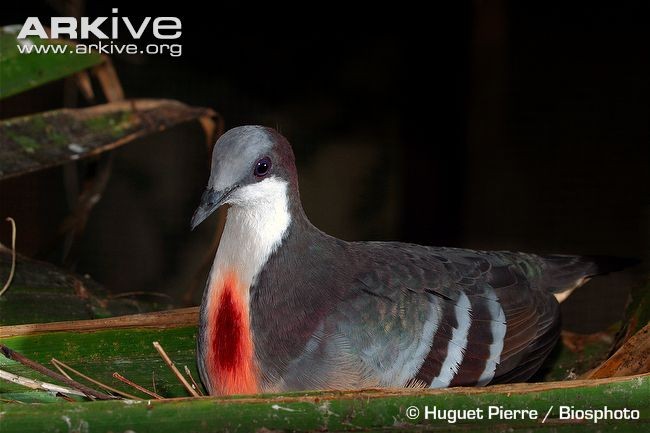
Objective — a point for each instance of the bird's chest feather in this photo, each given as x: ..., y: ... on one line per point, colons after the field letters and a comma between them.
x: 226, y: 349
x: 229, y: 341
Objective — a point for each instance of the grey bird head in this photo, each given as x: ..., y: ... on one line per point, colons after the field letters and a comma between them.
x: 243, y: 157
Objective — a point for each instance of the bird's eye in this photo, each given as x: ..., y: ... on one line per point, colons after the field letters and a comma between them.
x: 262, y: 167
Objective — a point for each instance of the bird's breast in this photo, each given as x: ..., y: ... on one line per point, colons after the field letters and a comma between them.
x: 229, y: 356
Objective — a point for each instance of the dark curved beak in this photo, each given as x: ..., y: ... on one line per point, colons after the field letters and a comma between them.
x: 211, y: 200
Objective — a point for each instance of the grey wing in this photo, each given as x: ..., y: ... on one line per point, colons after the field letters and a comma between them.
x: 443, y: 317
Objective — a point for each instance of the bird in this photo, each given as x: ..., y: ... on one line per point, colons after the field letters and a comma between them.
x: 287, y: 307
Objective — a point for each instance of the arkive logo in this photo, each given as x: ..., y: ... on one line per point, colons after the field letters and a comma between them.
x: 162, y: 27
x: 111, y: 29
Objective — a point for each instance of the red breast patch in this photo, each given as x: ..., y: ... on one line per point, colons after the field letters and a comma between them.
x: 230, y: 357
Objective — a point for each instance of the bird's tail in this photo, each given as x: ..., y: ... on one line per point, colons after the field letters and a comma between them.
x: 563, y: 273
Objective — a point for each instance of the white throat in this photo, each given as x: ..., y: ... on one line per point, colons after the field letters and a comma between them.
x: 255, y: 226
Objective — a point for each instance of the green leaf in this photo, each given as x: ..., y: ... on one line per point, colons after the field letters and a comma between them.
x: 346, y: 411
x: 41, y: 292
x: 575, y: 355
x: 43, y: 140
x: 98, y: 349
x: 637, y: 313
x: 25, y: 71
x: 101, y: 353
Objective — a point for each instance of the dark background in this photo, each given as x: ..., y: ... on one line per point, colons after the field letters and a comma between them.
x: 488, y: 125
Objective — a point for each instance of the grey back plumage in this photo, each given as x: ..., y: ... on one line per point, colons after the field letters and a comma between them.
x: 394, y: 314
